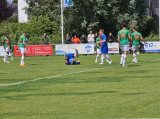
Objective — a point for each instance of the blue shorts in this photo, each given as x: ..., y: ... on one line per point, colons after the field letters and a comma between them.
x: 104, y: 50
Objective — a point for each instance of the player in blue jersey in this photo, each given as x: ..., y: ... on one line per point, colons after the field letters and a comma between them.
x: 104, y: 47
x: 70, y: 58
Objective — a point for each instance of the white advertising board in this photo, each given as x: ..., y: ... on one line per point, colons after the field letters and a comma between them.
x: 2, y: 51
x: 152, y: 47
x: 113, y: 48
x: 82, y: 48
x: 22, y: 16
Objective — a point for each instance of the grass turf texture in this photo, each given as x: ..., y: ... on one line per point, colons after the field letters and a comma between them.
x: 115, y: 92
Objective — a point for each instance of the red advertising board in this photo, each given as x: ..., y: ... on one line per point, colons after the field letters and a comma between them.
x: 35, y: 50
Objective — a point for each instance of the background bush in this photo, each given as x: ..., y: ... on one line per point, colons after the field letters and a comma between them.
x: 35, y: 29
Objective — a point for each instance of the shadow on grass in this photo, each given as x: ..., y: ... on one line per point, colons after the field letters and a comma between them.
x: 23, y: 97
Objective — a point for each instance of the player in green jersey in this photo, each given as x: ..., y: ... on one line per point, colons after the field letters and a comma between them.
x: 123, y: 39
x: 135, y: 40
x: 98, y: 47
x: 22, y: 46
x: 6, y: 44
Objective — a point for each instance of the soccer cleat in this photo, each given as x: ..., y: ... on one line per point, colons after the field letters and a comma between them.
x: 121, y: 63
x: 7, y: 62
x: 12, y: 59
x: 95, y: 61
x: 22, y: 65
x: 25, y: 64
x: 107, y: 60
x: 100, y: 63
x: 110, y: 62
x: 134, y: 61
x: 124, y: 66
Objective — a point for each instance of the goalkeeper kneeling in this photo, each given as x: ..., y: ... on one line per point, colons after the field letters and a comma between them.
x: 70, y: 58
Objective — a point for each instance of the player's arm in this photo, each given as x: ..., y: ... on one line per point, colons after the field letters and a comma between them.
x: 143, y: 40
x: 24, y: 43
x: 131, y: 41
x: 119, y: 40
x: 3, y: 43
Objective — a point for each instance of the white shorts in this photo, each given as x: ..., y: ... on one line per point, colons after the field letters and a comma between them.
x: 7, y: 50
x: 124, y: 47
x: 135, y: 48
x: 98, y: 50
x: 22, y: 50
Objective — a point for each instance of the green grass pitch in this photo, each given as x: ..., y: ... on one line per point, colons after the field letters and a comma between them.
x: 46, y: 88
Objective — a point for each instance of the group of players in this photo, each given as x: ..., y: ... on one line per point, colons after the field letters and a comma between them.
x: 101, y: 43
x: 22, y: 47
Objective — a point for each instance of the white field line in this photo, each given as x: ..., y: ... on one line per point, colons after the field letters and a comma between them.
x: 2, y: 85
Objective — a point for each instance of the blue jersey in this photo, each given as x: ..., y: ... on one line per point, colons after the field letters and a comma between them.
x: 104, y: 47
x: 103, y: 37
x: 70, y: 58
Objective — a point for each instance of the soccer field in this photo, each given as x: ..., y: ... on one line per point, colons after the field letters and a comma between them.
x: 47, y: 88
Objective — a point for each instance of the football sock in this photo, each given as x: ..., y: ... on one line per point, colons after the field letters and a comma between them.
x: 77, y: 53
x: 22, y: 60
x: 122, y: 57
x: 11, y: 55
x: 65, y: 55
x: 6, y: 57
x: 124, y: 60
x: 102, y: 58
x: 97, y: 57
x: 107, y: 57
x: 134, y: 55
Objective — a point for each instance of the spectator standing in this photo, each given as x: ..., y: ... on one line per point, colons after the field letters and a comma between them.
x: 95, y: 37
x: 68, y: 39
x: 76, y: 40
x: 110, y: 38
x: 45, y: 40
x: 90, y: 38
x: 83, y: 39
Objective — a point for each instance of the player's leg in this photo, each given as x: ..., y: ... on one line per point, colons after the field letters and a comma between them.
x: 7, y: 55
x: 65, y: 55
x: 107, y: 56
x: 125, y: 55
x: 98, y: 54
x: 134, y: 48
x: 122, y: 56
x: 102, y: 58
x: 77, y: 53
x: 23, y: 57
x: 11, y: 54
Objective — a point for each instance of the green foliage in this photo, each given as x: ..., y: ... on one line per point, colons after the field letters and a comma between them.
x: 12, y: 19
x: 91, y: 14
x: 35, y: 28
x: 15, y: 1
x: 149, y: 27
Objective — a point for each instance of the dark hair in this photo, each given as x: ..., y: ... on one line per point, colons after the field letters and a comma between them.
x: 7, y: 34
x: 124, y: 24
x: 24, y: 32
x: 135, y: 28
x: 74, y: 62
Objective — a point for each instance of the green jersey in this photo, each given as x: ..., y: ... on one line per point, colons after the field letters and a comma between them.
x: 7, y: 42
x: 136, y: 37
x: 21, y: 39
x: 99, y: 45
x: 123, y: 34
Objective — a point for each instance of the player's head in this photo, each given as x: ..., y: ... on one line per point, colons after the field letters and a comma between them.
x: 44, y: 34
x: 101, y: 31
x: 74, y: 63
x: 135, y: 28
x: 7, y: 35
x: 24, y: 33
x: 124, y: 24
